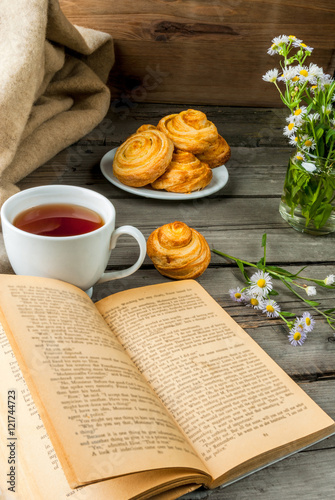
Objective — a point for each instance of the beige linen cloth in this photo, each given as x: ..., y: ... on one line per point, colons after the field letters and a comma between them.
x: 52, y: 88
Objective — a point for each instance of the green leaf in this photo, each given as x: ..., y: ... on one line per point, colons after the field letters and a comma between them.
x: 311, y: 303
x: 288, y: 314
x: 328, y: 311
x: 260, y: 263
x: 264, y: 240
x: 241, y: 268
x: 329, y: 134
x: 319, y: 133
x: 281, y: 271
x: 273, y: 292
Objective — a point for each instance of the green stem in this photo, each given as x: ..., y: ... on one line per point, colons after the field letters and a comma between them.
x: 234, y: 258
x: 302, y: 298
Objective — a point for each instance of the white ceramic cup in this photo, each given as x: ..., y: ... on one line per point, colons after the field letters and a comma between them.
x: 80, y: 259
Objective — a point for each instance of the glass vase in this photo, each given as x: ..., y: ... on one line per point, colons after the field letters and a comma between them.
x: 307, y: 202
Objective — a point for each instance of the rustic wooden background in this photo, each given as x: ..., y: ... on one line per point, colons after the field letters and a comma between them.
x: 232, y: 220
x: 203, y: 51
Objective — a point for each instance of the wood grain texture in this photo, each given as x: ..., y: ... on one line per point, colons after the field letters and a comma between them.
x: 203, y: 51
x: 232, y: 220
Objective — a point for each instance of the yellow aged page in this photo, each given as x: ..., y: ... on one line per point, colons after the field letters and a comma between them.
x: 29, y: 467
x: 102, y: 417
x: 230, y: 398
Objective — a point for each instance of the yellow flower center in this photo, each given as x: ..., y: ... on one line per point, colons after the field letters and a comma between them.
x: 295, y: 79
x: 261, y: 283
x: 254, y: 302
x: 273, y: 46
x: 296, y: 139
x: 290, y: 126
x: 308, y: 321
x: 292, y: 37
x: 297, y: 112
x: 299, y: 157
x: 314, y: 87
x: 270, y: 308
x: 297, y: 336
x: 304, y: 72
x: 238, y: 295
x: 308, y: 143
x: 303, y: 45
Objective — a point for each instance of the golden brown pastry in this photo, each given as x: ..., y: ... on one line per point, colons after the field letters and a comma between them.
x: 178, y: 251
x: 186, y: 173
x: 146, y: 126
x: 142, y: 158
x: 189, y: 130
x: 217, y: 153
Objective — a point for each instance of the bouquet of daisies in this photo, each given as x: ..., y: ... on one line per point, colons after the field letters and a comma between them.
x: 309, y: 94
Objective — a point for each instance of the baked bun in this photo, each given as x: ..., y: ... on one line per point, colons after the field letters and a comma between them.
x: 178, y: 251
x: 142, y: 158
x: 186, y: 173
x: 189, y: 130
x: 218, y: 153
x: 146, y: 126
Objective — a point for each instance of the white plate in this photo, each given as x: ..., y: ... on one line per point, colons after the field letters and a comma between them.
x: 219, y: 180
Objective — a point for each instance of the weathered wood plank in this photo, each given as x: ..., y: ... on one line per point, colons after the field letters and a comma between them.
x: 165, y: 51
x: 252, y: 171
x: 236, y: 227
x: 307, y: 475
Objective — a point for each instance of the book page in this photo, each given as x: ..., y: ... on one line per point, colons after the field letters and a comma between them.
x: 102, y: 417
x: 29, y: 467
x: 230, y: 398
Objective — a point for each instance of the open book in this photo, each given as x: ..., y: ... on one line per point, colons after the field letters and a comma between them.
x: 148, y: 393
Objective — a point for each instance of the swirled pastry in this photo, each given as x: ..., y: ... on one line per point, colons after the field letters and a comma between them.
x: 146, y: 126
x: 186, y: 173
x: 142, y: 158
x: 178, y: 251
x: 217, y: 153
x: 189, y: 130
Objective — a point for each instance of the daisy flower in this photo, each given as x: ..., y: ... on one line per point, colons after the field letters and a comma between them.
x: 288, y: 74
x: 273, y: 49
x: 297, y: 336
x: 300, y: 111
x: 293, y: 140
x: 253, y: 300
x: 271, y: 308
x: 237, y: 294
x: 271, y: 75
x: 282, y: 39
x: 308, y: 143
x: 324, y: 80
x: 289, y: 129
x: 261, y: 283
x: 303, y: 74
x: 300, y: 44
x: 299, y: 156
x: 310, y: 290
x: 330, y: 279
x: 299, y: 325
x: 315, y: 71
x: 307, y: 321
x: 313, y: 117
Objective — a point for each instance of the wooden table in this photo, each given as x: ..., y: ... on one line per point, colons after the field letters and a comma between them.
x: 232, y: 220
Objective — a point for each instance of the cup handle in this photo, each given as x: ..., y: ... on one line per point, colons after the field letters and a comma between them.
x: 132, y: 231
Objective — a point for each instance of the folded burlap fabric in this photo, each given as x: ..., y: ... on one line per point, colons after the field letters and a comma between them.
x: 52, y: 87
